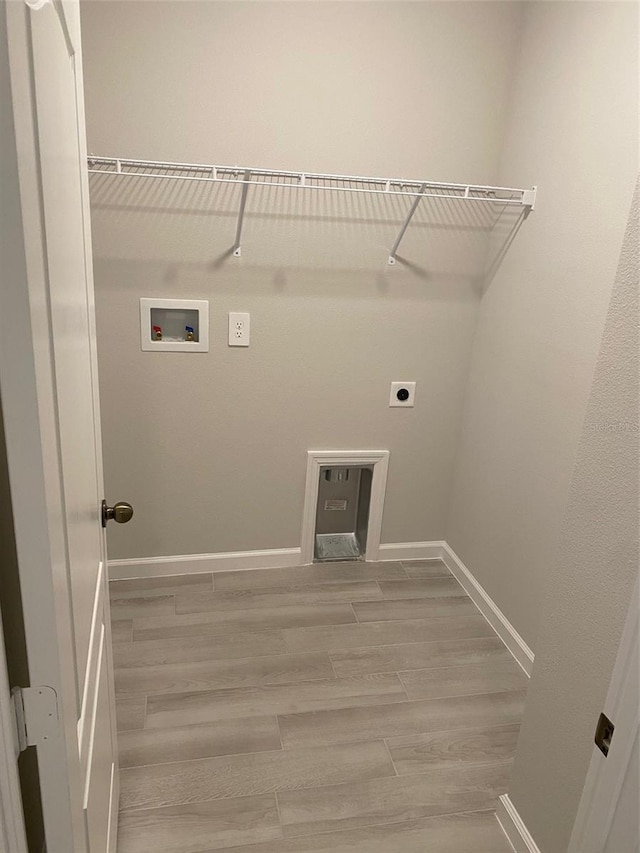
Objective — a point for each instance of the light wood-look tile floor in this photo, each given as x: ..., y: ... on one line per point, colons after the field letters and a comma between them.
x: 343, y: 707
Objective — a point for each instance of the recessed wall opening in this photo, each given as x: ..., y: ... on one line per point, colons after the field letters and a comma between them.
x: 173, y: 324
x: 344, y: 502
x: 342, y: 513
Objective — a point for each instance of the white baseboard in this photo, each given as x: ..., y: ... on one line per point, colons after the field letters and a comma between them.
x: 412, y: 551
x: 234, y: 561
x: 190, y: 564
x: 514, y: 827
x: 489, y: 609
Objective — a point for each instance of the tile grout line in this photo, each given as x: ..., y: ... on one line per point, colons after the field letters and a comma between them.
x: 280, y: 823
x: 404, y: 570
x: 333, y: 669
x: 393, y: 823
x: 168, y: 693
x: 140, y: 810
x: 471, y: 765
x: 375, y: 645
x: 282, y: 587
x: 314, y: 788
x: 382, y: 704
x: 406, y: 697
x: 393, y: 764
x: 320, y: 581
x: 302, y: 838
x: 403, y: 685
x: 293, y: 683
x: 135, y: 809
x: 275, y: 793
x: 284, y: 752
x: 229, y: 661
x: 344, y: 604
x: 502, y: 660
x: 293, y: 606
x: 321, y: 603
x: 461, y: 731
x: 211, y: 637
x: 385, y: 704
x: 399, y: 671
x: 228, y: 633
x: 203, y: 757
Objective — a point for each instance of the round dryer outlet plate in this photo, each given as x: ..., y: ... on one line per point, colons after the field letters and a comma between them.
x: 403, y: 394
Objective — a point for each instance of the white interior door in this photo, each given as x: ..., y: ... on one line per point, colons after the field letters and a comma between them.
x: 608, y: 816
x: 49, y: 391
x: 624, y: 836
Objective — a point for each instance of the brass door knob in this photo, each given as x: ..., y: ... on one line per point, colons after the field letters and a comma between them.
x: 121, y: 512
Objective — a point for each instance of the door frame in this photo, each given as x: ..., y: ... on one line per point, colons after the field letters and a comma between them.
x: 606, y: 775
x: 12, y: 829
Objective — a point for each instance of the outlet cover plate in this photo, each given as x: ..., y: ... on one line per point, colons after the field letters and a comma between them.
x: 406, y: 390
x: 239, y: 329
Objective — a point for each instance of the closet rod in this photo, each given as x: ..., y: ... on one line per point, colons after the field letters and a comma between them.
x: 246, y: 177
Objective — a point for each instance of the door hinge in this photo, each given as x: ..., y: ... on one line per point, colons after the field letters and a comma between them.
x: 35, y: 713
x: 604, y: 734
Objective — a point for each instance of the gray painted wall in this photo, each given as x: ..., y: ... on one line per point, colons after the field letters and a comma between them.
x: 591, y: 580
x: 211, y: 448
x: 573, y: 130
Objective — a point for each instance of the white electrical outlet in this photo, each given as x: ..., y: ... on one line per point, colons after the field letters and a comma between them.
x: 239, y: 329
x: 403, y: 394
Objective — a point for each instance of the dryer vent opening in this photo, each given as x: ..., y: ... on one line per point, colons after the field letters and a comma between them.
x: 342, y: 515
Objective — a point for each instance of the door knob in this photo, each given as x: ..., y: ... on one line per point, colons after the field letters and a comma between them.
x: 120, y: 512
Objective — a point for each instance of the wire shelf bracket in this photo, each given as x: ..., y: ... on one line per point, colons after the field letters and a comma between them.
x: 237, y: 248
x: 405, y: 225
x: 247, y: 176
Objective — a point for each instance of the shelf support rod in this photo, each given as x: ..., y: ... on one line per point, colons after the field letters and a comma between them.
x: 237, y: 248
x: 414, y: 207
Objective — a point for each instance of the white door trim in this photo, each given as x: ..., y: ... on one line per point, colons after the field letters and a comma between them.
x: 606, y: 775
x: 12, y: 830
x: 379, y: 460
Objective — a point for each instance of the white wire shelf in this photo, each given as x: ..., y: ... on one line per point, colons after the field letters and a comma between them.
x: 248, y: 176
